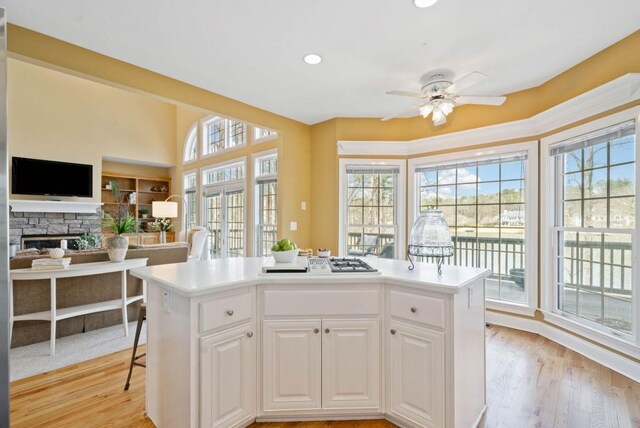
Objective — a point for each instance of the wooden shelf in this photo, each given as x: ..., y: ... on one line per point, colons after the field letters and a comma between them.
x: 122, y: 190
x: 150, y: 192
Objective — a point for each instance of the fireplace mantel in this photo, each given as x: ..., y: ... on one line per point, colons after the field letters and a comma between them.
x: 31, y: 206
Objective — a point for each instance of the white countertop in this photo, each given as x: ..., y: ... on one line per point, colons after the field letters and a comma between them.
x: 200, y: 278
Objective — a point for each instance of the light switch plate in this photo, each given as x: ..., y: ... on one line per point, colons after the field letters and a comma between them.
x: 303, y: 205
x: 293, y: 226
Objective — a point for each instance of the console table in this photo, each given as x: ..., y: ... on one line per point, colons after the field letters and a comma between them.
x: 75, y: 270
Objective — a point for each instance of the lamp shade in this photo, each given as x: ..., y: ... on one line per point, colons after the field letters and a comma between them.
x: 164, y: 209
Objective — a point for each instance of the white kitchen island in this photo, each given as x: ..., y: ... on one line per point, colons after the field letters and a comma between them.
x: 227, y: 345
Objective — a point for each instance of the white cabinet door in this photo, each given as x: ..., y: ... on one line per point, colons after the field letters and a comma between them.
x: 351, y: 364
x: 291, y: 365
x: 416, y: 374
x: 228, y: 384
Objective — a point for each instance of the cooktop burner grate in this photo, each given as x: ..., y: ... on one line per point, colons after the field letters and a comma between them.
x: 350, y: 265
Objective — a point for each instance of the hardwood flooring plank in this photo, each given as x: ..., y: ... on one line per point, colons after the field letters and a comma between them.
x: 531, y: 382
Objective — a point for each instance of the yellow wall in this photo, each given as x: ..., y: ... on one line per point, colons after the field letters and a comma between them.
x: 56, y: 116
x: 294, y: 136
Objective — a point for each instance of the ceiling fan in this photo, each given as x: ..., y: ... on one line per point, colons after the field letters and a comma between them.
x: 441, y: 96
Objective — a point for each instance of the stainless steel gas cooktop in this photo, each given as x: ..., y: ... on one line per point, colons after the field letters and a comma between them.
x: 340, y: 265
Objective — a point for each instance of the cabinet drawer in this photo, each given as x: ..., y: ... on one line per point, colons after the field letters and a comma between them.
x: 417, y: 308
x: 321, y: 302
x: 226, y: 310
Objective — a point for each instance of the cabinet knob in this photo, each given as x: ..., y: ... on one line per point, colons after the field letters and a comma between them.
x: 316, y: 331
x: 393, y: 331
x: 229, y: 312
x: 414, y: 309
x: 249, y: 334
x: 326, y: 330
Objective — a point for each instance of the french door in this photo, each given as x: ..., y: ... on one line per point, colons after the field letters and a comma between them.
x: 225, y: 218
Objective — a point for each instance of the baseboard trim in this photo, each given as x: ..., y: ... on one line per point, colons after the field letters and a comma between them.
x: 328, y: 417
x: 590, y: 350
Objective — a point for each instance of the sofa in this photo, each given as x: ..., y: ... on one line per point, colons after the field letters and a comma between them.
x: 34, y: 295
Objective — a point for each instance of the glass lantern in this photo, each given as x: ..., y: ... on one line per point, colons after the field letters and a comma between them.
x: 430, y: 237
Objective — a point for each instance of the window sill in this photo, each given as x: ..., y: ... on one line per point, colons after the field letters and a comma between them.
x: 626, y: 347
x: 510, y: 307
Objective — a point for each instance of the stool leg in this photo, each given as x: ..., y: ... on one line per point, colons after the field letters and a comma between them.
x: 141, y: 318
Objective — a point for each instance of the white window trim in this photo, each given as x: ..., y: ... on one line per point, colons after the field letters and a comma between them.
x: 204, y: 124
x: 531, y: 211
x: 184, y: 201
x: 221, y: 165
x: 255, y: 140
x: 193, y: 132
x: 400, y: 248
x: 547, y: 214
x: 255, y: 160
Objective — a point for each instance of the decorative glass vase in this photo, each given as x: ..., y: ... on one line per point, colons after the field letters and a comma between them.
x: 117, y: 247
x: 163, y: 236
x: 430, y: 237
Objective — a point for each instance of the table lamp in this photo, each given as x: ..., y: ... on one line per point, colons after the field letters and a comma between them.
x: 164, y: 210
x: 430, y: 237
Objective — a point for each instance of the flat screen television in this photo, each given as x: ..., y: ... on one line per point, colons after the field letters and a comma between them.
x: 50, y: 178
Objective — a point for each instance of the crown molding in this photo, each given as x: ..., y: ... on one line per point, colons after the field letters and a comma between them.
x: 615, y: 93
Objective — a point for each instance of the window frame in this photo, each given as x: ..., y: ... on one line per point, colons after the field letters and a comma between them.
x: 193, y: 172
x: 191, y: 139
x: 256, y: 140
x: 225, y: 187
x: 549, y: 299
x: 400, y: 250
x: 531, y: 211
x: 204, y: 135
x: 256, y: 158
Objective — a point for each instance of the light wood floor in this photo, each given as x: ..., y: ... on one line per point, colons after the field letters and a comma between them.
x: 531, y: 382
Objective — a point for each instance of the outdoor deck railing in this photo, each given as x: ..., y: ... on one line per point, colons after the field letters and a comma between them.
x: 506, y: 259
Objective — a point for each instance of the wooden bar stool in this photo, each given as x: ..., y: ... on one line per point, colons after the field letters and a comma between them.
x: 142, y: 316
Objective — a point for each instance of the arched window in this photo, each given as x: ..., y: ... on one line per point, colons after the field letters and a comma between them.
x: 191, y: 144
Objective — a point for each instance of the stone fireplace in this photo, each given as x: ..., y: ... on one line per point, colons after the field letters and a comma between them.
x: 45, y: 229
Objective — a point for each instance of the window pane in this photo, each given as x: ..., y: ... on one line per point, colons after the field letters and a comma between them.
x: 622, y: 150
x: 490, y: 172
x: 467, y: 174
x: 466, y: 193
x: 446, y: 195
x: 595, y: 183
x: 447, y: 176
x: 595, y: 156
x: 427, y: 198
x: 512, y: 191
x: 595, y: 213
x: 573, y: 186
x: 371, y: 215
x: 488, y: 193
x: 622, y: 213
x: 512, y: 170
x: 466, y: 215
x: 572, y: 214
x: 428, y: 178
x: 488, y: 215
x: 622, y: 180
x: 573, y: 161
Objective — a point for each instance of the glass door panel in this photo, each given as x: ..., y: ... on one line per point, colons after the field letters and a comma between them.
x: 234, y: 202
x: 213, y: 219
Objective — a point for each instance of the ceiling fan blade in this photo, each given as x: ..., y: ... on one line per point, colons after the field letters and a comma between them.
x: 415, y: 107
x: 407, y: 94
x: 471, y: 99
x: 466, y: 82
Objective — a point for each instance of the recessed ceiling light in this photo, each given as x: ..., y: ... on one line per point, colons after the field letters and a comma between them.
x: 424, y: 3
x: 312, y: 59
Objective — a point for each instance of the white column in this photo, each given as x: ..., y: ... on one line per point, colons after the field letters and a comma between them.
x: 10, y: 311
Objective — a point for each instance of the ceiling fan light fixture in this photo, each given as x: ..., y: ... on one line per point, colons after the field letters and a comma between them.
x: 446, y: 107
x: 438, y: 116
x: 426, y: 110
x: 312, y: 59
x: 424, y: 3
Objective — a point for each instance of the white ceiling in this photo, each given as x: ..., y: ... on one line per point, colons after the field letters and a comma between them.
x: 251, y: 50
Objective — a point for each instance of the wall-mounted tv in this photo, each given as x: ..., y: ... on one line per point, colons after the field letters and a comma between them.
x: 51, y: 178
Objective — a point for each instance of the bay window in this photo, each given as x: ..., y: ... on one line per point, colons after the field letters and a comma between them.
x: 372, y: 198
x: 489, y: 202
x: 593, y: 228
x: 266, y: 185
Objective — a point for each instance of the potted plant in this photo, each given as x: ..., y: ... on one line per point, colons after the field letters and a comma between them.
x: 163, y: 225
x: 144, y: 212
x: 122, y: 222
